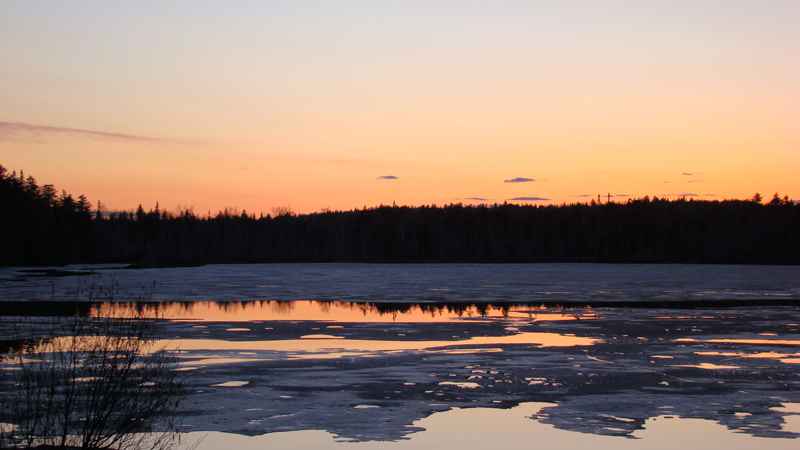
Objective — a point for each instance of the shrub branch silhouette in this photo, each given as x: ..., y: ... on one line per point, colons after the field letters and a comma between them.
x: 96, y: 383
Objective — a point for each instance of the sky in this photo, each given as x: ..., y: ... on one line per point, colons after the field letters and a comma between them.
x: 257, y: 105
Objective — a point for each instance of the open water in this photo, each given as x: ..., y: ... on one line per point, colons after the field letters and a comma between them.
x: 466, y: 356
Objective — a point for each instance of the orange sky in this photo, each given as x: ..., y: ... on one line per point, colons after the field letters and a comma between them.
x: 309, y: 104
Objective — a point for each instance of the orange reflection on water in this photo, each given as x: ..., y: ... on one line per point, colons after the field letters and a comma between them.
x: 743, y: 341
x: 347, y: 312
x: 770, y: 355
x: 708, y: 366
x: 786, y: 358
x: 337, y: 346
x: 754, y: 341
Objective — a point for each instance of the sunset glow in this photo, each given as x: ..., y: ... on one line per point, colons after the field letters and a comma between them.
x: 341, y: 105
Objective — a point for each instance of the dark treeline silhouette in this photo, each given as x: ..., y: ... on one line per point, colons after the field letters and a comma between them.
x: 39, y: 226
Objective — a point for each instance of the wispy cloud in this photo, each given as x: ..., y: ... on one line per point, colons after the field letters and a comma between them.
x: 696, y: 181
x: 581, y: 195
x: 477, y: 199
x: 711, y: 195
x: 387, y: 177
x: 528, y: 199
x: 691, y: 174
x: 26, y: 132
x: 518, y: 180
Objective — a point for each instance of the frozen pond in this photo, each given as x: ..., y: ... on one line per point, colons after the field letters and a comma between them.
x: 472, y: 356
x: 512, y: 429
x: 411, y: 283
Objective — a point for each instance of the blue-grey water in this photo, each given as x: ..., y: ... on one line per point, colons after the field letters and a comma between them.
x: 451, y: 283
x: 468, y: 355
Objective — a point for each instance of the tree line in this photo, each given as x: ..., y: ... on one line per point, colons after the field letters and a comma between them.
x: 39, y: 226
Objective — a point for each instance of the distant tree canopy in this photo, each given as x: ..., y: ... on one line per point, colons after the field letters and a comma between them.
x: 38, y: 226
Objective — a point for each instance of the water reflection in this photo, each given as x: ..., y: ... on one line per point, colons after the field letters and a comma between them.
x: 337, y: 346
x: 605, y: 371
x: 350, y: 312
x: 249, y: 311
x: 375, y: 372
x: 511, y: 429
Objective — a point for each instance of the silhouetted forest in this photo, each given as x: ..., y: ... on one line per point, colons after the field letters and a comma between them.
x: 40, y: 226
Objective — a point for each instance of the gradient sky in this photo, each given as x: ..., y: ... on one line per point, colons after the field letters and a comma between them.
x: 321, y: 104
